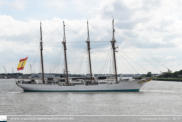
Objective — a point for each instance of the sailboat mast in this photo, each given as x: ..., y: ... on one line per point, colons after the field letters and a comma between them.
x: 41, y: 54
x: 114, y: 50
x: 65, y: 57
x: 88, y: 48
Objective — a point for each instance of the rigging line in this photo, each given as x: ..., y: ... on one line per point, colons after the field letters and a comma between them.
x: 144, y: 58
x: 84, y: 38
x: 33, y: 66
x: 79, y: 68
x: 80, y: 42
x: 100, y: 46
x: 80, y: 62
x: 76, y: 33
x: 87, y: 65
x: 126, y: 66
x: 133, y: 60
x: 125, y: 63
x: 110, y: 71
x: 81, y: 65
x: 102, y: 57
x: 33, y: 63
x: 59, y: 63
x: 33, y: 59
x: 53, y: 33
x: 146, y: 52
x: 130, y: 65
x: 104, y: 72
x: 107, y: 61
x: 102, y: 68
x: 31, y: 54
x: 34, y: 51
x: 147, y: 60
x: 113, y: 63
x: 57, y: 60
x: 100, y: 32
x: 153, y: 57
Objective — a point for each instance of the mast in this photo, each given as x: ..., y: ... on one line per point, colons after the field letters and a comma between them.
x: 88, y: 48
x: 64, y: 44
x: 41, y: 54
x: 114, y: 50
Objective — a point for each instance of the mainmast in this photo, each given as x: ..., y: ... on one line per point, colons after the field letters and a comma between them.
x: 88, y: 48
x: 41, y: 54
x: 114, y: 50
x: 64, y: 44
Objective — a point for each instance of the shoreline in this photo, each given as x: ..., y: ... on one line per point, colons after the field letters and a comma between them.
x: 168, y: 79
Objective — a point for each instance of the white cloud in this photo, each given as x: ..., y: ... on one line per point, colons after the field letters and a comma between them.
x: 18, y: 4
x: 171, y: 57
x: 141, y: 27
x: 57, y: 4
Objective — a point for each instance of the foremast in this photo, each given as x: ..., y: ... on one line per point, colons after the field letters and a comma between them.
x: 114, y: 50
x: 41, y: 55
x: 88, y: 48
x: 65, y: 57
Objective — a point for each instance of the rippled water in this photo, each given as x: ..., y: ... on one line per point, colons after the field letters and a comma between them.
x: 155, y: 98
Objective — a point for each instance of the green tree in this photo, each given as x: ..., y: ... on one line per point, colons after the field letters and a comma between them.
x: 176, y: 74
x: 149, y: 74
x: 180, y: 72
x: 168, y: 75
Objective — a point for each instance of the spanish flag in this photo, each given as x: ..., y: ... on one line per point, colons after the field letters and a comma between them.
x: 22, y: 63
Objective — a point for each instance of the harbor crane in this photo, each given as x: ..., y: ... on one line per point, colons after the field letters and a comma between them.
x: 5, y: 69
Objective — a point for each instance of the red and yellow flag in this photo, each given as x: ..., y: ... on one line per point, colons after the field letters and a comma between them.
x: 22, y: 63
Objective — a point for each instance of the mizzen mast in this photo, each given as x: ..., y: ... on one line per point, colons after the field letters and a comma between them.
x: 41, y: 54
x: 65, y: 57
x: 88, y: 48
x: 114, y: 50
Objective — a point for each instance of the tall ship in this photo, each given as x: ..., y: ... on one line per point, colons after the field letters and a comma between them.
x: 89, y: 84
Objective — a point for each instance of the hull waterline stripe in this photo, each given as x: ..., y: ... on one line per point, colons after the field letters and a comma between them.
x: 127, y: 90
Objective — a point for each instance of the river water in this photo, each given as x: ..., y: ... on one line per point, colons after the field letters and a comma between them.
x: 154, y: 98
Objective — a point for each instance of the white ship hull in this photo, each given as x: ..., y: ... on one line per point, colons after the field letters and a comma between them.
x: 121, y: 86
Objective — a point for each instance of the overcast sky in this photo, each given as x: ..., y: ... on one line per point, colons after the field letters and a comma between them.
x: 148, y: 34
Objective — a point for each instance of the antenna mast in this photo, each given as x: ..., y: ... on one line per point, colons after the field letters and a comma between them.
x: 41, y: 54
x: 114, y: 50
x: 65, y: 57
x: 88, y: 48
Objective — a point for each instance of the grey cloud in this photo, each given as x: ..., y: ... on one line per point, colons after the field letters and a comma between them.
x: 170, y: 37
x: 151, y: 4
x: 121, y: 11
x: 149, y: 44
x: 130, y: 34
x: 26, y: 37
x: 162, y: 26
x: 129, y: 25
